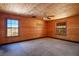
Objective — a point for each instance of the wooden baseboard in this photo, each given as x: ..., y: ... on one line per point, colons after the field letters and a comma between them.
x: 64, y: 40
x: 39, y: 38
x: 21, y: 41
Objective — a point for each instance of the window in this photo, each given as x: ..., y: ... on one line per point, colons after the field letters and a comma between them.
x: 12, y: 27
x: 61, y: 28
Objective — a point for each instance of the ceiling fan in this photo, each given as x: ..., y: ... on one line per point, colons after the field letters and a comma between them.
x: 48, y: 17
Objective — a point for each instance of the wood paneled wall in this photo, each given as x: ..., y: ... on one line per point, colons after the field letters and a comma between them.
x: 35, y: 27
x: 29, y: 28
x: 72, y: 28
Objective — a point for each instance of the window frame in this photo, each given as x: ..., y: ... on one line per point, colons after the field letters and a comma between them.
x: 17, y: 27
x: 57, y: 33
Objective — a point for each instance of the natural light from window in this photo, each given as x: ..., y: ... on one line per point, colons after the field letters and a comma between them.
x: 12, y: 27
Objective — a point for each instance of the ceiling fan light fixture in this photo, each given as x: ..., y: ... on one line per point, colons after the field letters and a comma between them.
x: 48, y: 17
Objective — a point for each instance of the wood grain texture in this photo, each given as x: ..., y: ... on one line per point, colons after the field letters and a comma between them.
x: 29, y: 28
x: 72, y: 28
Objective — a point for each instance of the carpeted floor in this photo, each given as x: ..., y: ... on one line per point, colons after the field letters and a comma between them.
x: 41, y: 47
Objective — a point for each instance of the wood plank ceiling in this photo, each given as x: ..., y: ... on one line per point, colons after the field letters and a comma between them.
x: 58, y: 10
